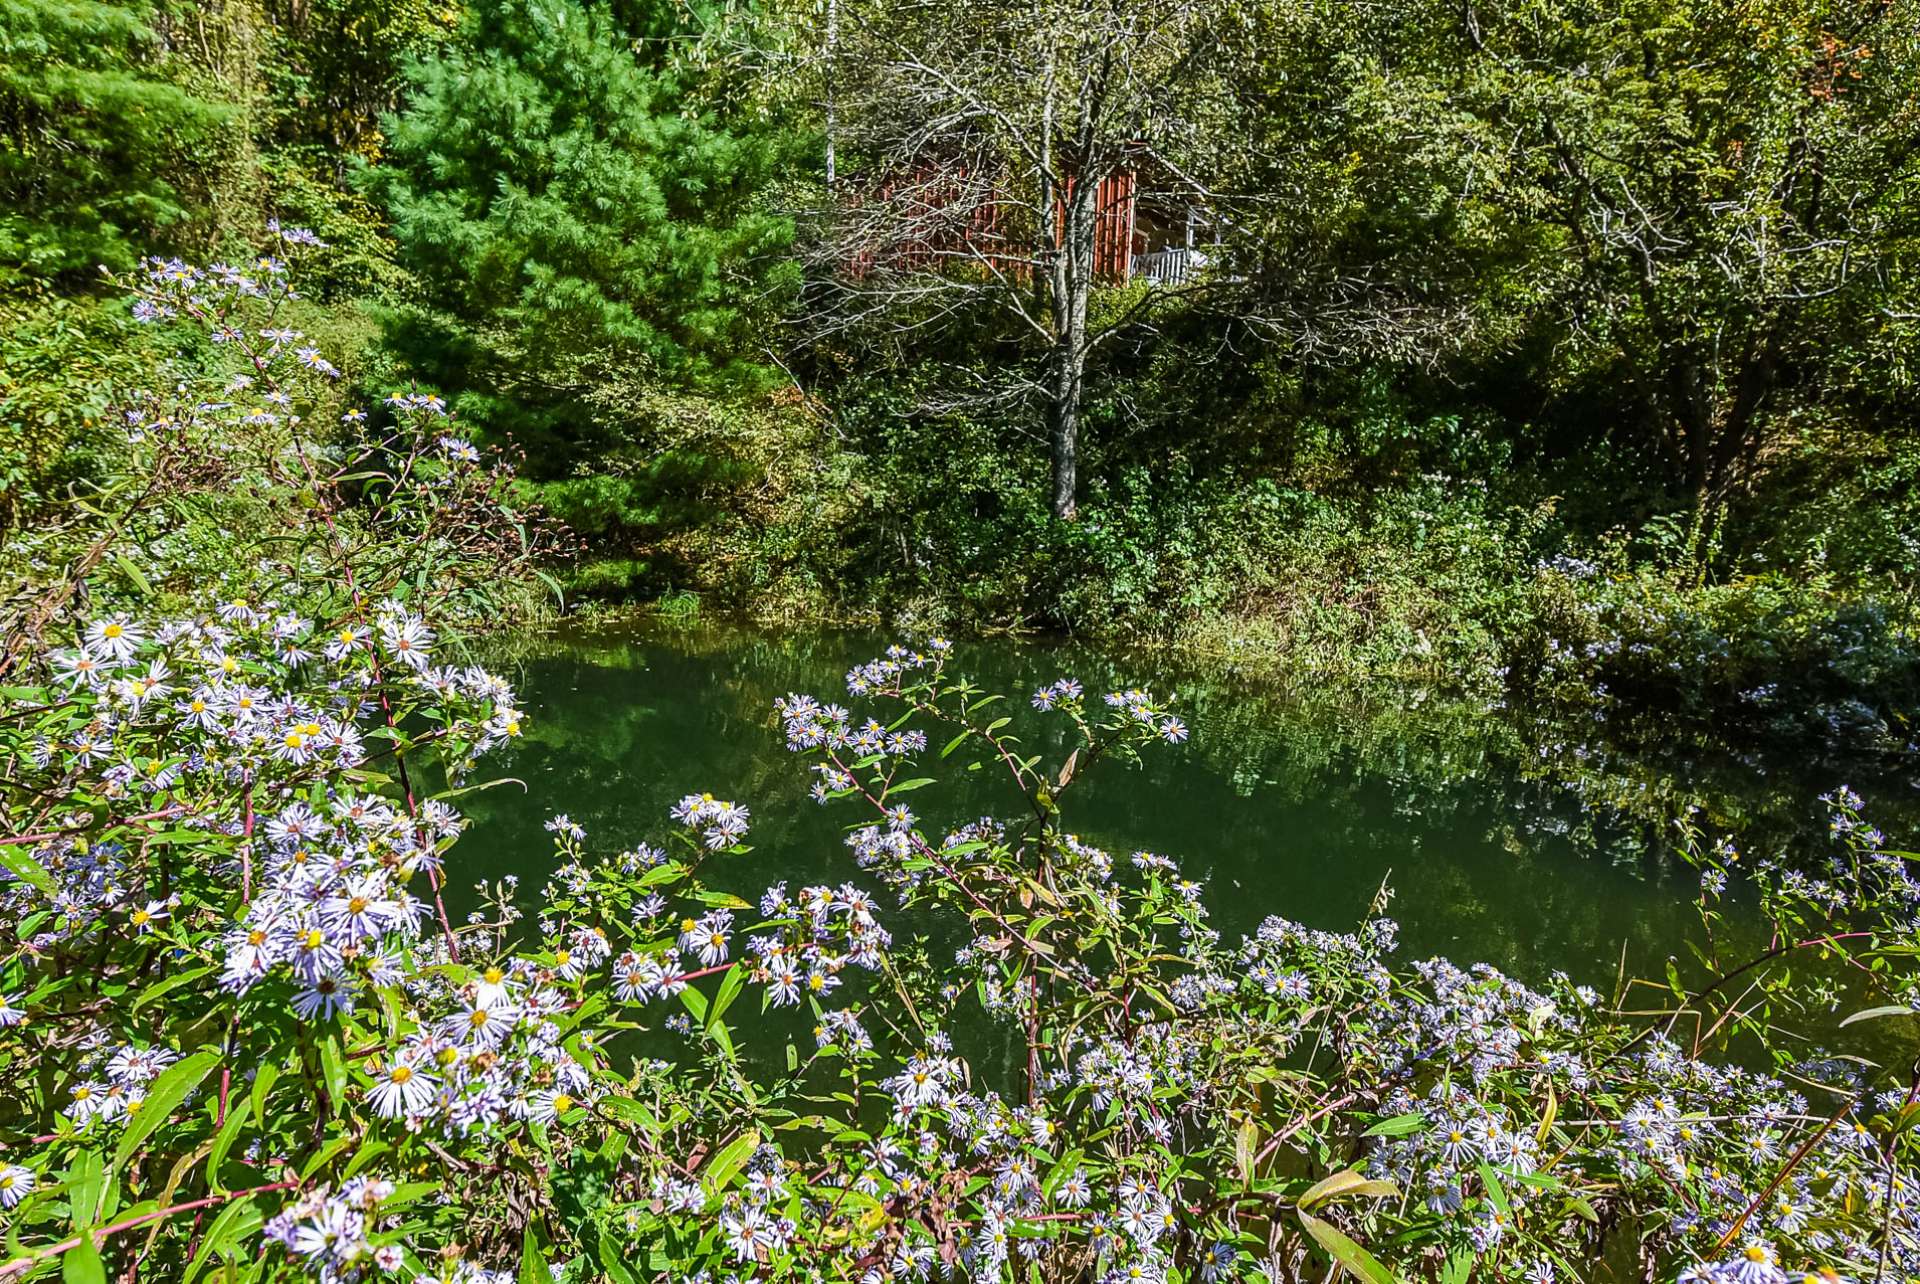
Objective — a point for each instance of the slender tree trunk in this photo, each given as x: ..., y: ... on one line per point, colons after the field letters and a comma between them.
x: 1063, y: 431
x: 1072, y: 287
x: 833, y: 117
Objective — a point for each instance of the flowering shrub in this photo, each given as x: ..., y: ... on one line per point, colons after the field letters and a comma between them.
x: 243, y: 1041
x: 246, y: 469
x: 242, y: 1036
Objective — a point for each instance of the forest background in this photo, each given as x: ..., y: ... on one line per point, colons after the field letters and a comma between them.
x: 1557, y: 348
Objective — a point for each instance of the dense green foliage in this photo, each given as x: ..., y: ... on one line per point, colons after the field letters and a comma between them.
x: 590, y: 243
x: 1559, y: 346
x: 109, y: 137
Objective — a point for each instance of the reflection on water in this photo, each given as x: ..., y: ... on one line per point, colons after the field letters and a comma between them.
x: 1519, y: 845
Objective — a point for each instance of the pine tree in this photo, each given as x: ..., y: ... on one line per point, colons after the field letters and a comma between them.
x: 574, y: 226
x: 108, y: 147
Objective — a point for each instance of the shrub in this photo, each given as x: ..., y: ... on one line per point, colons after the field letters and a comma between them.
x: 236, y: 467
x: 271, y: 1031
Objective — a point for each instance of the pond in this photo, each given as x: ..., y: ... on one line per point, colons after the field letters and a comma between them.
x: 1502, y: 839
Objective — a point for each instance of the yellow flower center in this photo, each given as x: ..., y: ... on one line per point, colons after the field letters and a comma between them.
x: 493, y: 976
x: 562, y: 1103
x: 313, y: 939
x: 401, y: 1074
x: 357, y: 905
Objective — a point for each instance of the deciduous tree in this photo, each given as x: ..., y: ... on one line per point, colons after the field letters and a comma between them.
x: 970, y: 140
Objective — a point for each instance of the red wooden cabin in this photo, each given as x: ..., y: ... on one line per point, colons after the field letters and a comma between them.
x: 953, y: 216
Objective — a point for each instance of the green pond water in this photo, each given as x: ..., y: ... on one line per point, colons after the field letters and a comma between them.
x: 1514, y: 841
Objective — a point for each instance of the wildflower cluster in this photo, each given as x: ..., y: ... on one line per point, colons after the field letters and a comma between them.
x: 1040, y: 1059
x: 339, y: 507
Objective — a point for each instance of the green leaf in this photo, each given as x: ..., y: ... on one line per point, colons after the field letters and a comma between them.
x: 133, y: 573
x: 334, y: 1067
x: 168, y: 1091
x: 84, y: 1181
x: 237, y: 1220
x: 364, y: 1156
x: 1246, y: 1142
x: 82, y: 1264
x: 731, y: 1159
x: 27, y: 869
x: 613, y: 1264
x: 670, y: 872
x: 730, y: 986
x: 1398, y: 1126
x: 447, y: 795
x: 1345, y: 1183
x: 170, y: 984
x: 262, y: 1085
x: 240, y: 1109
x: 1495, y: 1191
x: 1062, y: 1170
x: 907, y: 786
x: 1362, y: 1264
x: 533, y: 1264
x: 324, y: 1156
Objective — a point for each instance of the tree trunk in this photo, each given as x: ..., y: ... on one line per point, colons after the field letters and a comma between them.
x: 1719, y: 416
x: 1063, y: 432
x: 1072, y: 286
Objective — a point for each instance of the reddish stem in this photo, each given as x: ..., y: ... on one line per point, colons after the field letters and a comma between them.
x: 20, y: 1265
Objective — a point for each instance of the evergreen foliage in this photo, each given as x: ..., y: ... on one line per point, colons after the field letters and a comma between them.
x: 108, y: 140
x: 576, y: 226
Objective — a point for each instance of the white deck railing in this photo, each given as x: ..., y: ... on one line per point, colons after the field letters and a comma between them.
x: 1169, y: 267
